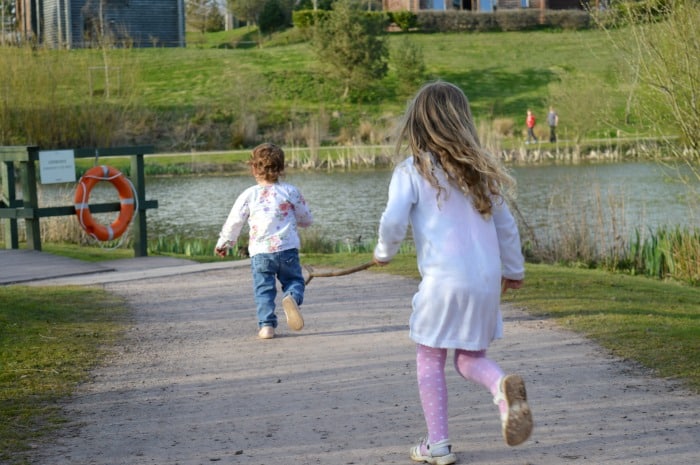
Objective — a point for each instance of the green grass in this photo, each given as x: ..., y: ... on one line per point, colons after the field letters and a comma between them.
x: 177, y: 97
x: 651, y: 322
x: 502, y: 73
x: 49, y: 340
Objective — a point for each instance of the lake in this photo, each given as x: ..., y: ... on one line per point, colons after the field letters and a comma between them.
x: 348, y: 205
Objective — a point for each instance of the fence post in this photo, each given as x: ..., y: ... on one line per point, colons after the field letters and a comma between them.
x: 9, y: 196
x: 30, y: 202
x: 138, y: 179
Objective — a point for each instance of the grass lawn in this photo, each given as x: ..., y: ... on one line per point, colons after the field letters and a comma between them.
x: 282, y: 83
x: 50, y: 338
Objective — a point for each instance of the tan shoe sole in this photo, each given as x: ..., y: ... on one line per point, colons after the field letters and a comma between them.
x: 291, y: 311
x: 266, y: 332
x: 517, y: 425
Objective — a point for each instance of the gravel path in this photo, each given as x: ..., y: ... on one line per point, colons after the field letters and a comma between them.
x: 191, y: 384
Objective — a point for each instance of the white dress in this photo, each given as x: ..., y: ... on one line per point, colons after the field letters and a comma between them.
x: 461, y: 259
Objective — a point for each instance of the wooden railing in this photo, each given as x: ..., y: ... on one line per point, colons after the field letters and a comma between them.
x: 19, y: 163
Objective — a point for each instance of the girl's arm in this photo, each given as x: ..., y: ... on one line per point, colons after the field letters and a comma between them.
x: 394, y: 222
x: 512, y: 261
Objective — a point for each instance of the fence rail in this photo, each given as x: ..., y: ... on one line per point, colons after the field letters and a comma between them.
x: 20, y: 163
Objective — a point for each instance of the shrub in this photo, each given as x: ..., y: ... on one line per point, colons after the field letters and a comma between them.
x: 502, y: 20
x: 405, y: 20
x: 504, y: 126
x: 304, y: 19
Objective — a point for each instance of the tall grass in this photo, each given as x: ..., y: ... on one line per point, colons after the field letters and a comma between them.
x: 58, y: 98
x: 667, y: 253
x: 591, y: 231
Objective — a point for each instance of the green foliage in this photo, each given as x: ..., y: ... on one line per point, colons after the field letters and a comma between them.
x: 660, y: 51
x: 667, y: 253
x: 304, y: 19
x: 246, y: 10
x: 272, y: 17
x: 351, y: 44
x: 405, y: 20
x: 325, y: 5
x: 409, y: 65
x: 503, y: 20
x: 178, y: 245
x: 204, y: 16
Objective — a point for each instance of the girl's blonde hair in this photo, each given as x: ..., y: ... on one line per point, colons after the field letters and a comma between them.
x: 267, y: 161
x: 439, y: 129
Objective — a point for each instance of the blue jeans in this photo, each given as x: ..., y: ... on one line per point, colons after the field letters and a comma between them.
x: 266, y: 268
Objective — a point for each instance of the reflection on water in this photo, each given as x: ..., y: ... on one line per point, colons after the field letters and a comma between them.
x: 349, y: 205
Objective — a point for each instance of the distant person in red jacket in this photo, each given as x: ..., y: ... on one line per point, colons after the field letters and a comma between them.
x: 530, y: 122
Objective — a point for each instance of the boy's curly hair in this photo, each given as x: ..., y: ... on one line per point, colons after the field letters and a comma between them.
x: 439, y: 129
x: 267, y: 161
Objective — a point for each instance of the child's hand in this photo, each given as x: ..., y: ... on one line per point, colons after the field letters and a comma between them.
x: 510, y: 284
x: 221, y: 251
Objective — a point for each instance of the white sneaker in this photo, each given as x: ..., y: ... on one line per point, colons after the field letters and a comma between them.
x: 439, y: 453
x: 291, y: 311
x: 516, y: 423
x: 266, y: 332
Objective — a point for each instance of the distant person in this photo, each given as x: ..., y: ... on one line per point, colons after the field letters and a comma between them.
x: 553, y: 122
x: 450, y: 191
x: 530, y: 123
x: 273, y: 210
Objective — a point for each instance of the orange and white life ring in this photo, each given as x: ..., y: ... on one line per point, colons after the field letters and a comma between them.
x: 126, y: 199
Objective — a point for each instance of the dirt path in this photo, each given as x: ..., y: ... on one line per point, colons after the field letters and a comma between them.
x: 191, y: 384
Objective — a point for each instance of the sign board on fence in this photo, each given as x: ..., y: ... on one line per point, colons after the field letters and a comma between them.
x: 56, y: 166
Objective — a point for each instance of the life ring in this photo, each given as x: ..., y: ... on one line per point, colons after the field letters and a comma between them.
x: 126, y: 199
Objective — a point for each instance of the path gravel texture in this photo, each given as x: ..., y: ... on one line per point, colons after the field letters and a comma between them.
x: 191, y: 384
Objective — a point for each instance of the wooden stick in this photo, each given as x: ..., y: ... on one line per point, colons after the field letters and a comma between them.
x: 329, y: 274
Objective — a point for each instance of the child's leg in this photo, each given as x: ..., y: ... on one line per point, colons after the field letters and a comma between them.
x: 475, y: 366
x: 430, y: 365
x: 290, y: 275
x: 265, y: 290
x: 508, y: 392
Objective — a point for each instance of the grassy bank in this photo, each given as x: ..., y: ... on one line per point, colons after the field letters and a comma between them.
x: 50, y: 338
x: 207, y: 97
x: 48, y: 347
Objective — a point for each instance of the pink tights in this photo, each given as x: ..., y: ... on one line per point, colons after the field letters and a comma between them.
x: 432, y: 387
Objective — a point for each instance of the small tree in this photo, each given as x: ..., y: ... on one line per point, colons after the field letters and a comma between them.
x: 204, y: 16
x: 351, y: 43
x: 272, y: 17
x: 409, y: 64
x: 661, y: 50
x: 246, y: 10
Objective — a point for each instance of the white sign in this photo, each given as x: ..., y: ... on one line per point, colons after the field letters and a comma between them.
x: 56, y: 166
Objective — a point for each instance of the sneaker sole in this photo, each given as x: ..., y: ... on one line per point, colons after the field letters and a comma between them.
x: 518, y: 425
x: 291, y: 311
x: 442, y: 460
